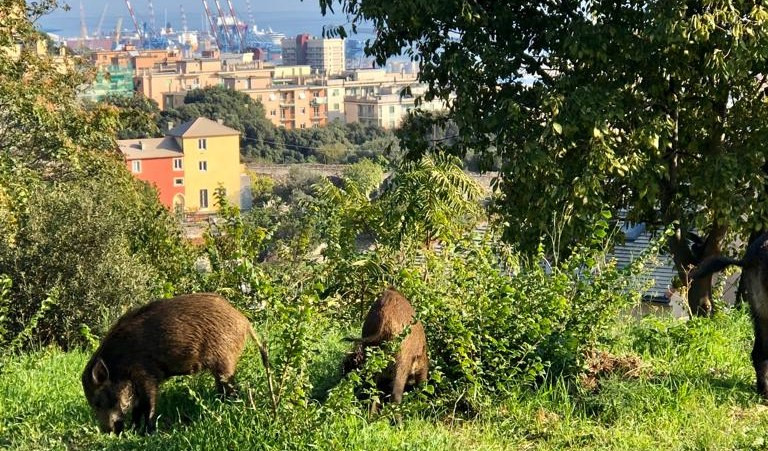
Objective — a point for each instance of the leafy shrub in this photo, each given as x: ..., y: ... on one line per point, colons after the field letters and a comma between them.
x: 103, y: 248
x: 493, y: 320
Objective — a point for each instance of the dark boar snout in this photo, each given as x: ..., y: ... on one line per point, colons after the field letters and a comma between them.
x: 110, y: 401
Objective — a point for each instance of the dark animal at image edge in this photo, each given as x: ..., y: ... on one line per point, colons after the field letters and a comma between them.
x: 386, y: 320
x: 754, y: 276
x: 164, y: 338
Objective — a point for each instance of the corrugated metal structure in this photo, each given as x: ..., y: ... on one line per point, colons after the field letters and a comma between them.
x: 659, y: 272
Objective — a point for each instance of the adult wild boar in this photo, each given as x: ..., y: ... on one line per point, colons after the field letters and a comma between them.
x: 754, y: 277
x: 152, y: 343
x: 386, y: 320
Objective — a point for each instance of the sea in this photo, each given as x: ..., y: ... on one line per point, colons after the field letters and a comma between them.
x: 67, y: 24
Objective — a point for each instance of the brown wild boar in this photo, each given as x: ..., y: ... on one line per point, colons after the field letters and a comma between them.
x: 386, y: 320
x: 754, y: 277
x: 152, y: 343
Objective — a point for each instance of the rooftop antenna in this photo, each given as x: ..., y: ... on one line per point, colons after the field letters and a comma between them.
x: 101, y: 20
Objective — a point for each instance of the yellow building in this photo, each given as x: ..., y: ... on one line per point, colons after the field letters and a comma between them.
x: 211, y: 159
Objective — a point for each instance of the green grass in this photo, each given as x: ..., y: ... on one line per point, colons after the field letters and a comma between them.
x: 694, y: 390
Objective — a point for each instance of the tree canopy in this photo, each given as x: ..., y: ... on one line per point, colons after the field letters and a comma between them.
x: 82, y: 239
x: 336, y: 142
x: 137, y: 116
x: 652, y: 108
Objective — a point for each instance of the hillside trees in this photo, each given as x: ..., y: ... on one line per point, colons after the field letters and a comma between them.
x: 137, y: 116
x: 651, y: 107
x: 82, y: 240
x: 236, y: 109
x: 260, y: 139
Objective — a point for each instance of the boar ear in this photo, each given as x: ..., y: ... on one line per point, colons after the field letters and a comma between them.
x: 99, y: 372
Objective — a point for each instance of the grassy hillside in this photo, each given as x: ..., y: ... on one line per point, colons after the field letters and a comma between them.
x: 660, y: 384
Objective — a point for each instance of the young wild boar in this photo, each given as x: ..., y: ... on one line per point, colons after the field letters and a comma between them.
x: 386, y: 320
x: 754, y: 277
x: 150, y: 344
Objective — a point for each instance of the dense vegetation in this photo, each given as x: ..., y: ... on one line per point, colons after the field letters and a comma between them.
x: 261, y: 141
x: 652, y: 107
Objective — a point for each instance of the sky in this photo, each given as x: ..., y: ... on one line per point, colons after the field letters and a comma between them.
x: 288, y: 16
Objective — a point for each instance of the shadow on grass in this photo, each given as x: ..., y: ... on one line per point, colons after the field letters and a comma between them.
x: 326, y: 376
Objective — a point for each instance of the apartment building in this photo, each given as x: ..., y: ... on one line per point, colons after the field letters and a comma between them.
x: 294, y: 105
x: 325, y: 56
x: 388, y: 108
x: 185, y: 75
x: 293, y: 96
x: 189, y: 164
x: 362, y: 83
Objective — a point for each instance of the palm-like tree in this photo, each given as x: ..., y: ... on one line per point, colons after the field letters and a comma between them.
x: 429, y: 199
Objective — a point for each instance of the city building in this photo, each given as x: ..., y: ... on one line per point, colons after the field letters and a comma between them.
x: 189, y: 164
x: 293, y: 96
x: 388, y: 108
x: 294, y: 106
x: 360, y: 83
x: 326, y: 56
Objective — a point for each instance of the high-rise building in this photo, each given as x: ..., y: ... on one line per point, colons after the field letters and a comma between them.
x: 326, y: 56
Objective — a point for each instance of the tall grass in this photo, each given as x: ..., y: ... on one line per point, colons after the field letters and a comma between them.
x: 692, y: 389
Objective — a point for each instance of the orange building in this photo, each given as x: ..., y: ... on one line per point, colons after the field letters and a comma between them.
x: 189, y: 164
x: 158, y: 161
x: 293, y: 106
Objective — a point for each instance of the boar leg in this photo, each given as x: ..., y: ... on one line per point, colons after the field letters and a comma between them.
x: 146, y: 394
x: 760, y: 356
x: 421, y: 372
x: 402, y: 371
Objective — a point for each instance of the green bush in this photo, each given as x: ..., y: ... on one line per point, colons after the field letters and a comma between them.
x: 101, y: 248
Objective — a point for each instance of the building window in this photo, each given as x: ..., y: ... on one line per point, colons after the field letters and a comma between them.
x: 392, y: 109
x: 202, y: 144
x: 336, y: 107
x: 303, y: 110
x: 316, y: 111
x: 203, y: 198
x: 136, y: 167
x: 303, y: 126
x: 335, y: 92
x: 273, y: 113
x: 178, y: 182
x: 177, y: 164
x: 203, y: 166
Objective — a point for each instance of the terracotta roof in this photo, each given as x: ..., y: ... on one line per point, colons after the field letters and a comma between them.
x: 148, y: 148
x: 202, y: 128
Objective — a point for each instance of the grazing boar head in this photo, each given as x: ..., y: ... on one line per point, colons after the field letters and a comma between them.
x: 354, y: 359
x: 110, y: 400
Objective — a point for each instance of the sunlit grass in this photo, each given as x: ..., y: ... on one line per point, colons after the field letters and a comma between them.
x: 695, y: 391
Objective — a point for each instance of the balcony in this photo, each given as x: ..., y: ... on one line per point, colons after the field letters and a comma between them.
x: 319, y: 101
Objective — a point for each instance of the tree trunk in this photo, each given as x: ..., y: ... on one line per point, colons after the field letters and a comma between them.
x: 687, y: 256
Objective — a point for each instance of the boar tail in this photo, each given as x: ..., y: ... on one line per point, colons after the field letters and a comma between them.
x: 713, y: 265
x: 374, y: 339
x: 259, y: 344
